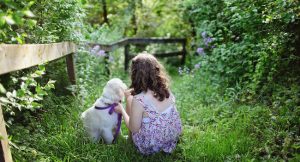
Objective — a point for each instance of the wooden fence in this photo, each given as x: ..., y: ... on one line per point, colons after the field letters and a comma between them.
x: 17, y: 57
x: 137, y: 41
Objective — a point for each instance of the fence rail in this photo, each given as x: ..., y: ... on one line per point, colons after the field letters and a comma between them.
x: 17, y: 57
x: 137, y: 41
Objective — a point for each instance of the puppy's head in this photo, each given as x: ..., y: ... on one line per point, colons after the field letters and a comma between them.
x: 113, y: 91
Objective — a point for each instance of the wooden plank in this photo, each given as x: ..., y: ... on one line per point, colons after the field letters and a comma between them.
x: 124, y: 42
x: 155, y: 40
x: 71, y: 68
x: 168, y: 54
x: 16, y: 57
x: 110, y: 47
x: 5, y: 154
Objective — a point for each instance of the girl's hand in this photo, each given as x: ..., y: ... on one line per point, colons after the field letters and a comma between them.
x: 119, y: 108
x: 128, y: 93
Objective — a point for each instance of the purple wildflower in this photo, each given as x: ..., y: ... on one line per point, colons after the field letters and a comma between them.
x: 208, y: 40
x: 203, y: 34
x: 101, y: 53
x: 111, y: 58
x: 180, y: 71
x: 197, y: 66
x: 95, y: 49
x: 200, y: 51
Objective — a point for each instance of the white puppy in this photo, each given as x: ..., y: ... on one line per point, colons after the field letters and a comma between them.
x: 99, y: 122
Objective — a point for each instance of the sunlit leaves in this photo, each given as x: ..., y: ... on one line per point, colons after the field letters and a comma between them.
x: 14, y: 15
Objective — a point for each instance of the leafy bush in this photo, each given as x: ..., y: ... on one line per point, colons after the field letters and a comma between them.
x: 251, y: 43
x: 27, y: 96
x: 250, y: 50
x: 40, y: 22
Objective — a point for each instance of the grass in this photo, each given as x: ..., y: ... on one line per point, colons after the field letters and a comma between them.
x: 213, y: 129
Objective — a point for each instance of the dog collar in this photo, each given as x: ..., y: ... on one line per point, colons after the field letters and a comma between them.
x: 110, y: 107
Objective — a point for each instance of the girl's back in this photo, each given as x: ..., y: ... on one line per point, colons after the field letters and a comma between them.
x: 161, y: 125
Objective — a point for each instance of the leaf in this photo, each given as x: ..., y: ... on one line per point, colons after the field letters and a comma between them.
x: 51, y: 81
x: 20, y: 41
x: 2, y: 20
x: 40, y: 91
x: 28, y: 13
x: 35, y: 105
x: 4, y: 100
x: 30, y: 3
x: 24, y: 78
x: 2, y: 89
x: 21, y: 93
x: 32, y: 23
x: 15, y: 80
x: 9, y: 20
x: 42, y: 67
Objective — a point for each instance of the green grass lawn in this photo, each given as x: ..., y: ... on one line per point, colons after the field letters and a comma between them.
x: 213, y: 130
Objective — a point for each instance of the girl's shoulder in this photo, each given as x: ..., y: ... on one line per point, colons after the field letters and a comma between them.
x: 140, y: 98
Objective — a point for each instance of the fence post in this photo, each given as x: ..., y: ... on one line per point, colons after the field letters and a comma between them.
x: 106, y: 64
x: 183, y: 52
x: 5, y: 154
x: 70, y: 68
x: 126, y: 53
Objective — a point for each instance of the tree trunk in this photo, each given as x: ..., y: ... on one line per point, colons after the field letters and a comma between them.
x: 133, y: 19
x: 104, y: 7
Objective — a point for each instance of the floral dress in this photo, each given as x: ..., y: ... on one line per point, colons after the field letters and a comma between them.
x: 159, y: 130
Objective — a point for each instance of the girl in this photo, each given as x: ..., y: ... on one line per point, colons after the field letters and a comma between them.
x: 151, y: 113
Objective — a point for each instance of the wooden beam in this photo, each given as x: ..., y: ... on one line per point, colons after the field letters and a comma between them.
x: 168, y: 54
x: 126, y: 41
x: 5, y: 154
x: 155, y: 40
x: 16, y: 57
x: 71, y: 68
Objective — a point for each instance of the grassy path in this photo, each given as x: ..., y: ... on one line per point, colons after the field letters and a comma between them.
x: 214, y: 130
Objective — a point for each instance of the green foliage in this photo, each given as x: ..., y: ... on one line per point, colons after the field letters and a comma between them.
x: 246, y: 53
x: 253, y: 43
x: 163, y: 19
x: 221, y: 129
x: 28, y: 95
x: 15, y: 18
x: 57, y: 21
x: 42, y: 21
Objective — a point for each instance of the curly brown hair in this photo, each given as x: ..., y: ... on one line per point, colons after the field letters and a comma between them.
x: 148, y: 73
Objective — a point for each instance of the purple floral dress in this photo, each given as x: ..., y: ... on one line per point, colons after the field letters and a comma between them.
x: 159, y: 130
